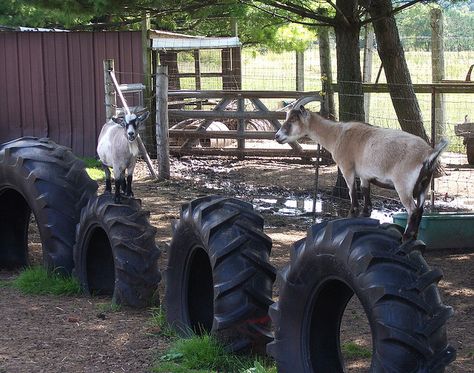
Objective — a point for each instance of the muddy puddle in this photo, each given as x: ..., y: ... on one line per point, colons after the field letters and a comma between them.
x: 316, y: 211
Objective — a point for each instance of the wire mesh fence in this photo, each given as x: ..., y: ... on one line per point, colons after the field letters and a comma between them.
x: 261, y: 69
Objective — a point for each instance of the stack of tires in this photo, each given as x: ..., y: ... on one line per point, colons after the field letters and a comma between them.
x: 219, y: 278
x: 110, y: 248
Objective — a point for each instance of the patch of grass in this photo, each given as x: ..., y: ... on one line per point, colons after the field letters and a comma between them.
x: 200, y: 354
x: 94, y: 168
x: 92, y: 162
x: 95, y: 174
x: 109, y: 307
x: 158, y: 321
x: 352, y: 350
x: 37, y: 280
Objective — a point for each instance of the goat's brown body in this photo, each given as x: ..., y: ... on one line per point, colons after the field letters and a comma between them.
x: 385, y: 157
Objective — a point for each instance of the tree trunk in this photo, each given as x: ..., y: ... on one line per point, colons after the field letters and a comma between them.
x: 396, y: 70
x: 349, y: 77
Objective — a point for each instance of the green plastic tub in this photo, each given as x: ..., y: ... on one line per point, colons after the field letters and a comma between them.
x: 443, y: 230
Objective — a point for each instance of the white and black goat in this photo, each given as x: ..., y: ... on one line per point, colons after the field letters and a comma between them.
x: 387, y: 158
x: 118, y: 148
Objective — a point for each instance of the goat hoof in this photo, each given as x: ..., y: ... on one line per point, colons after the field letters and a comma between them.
x: 366, y: 213
x: 353, y: 213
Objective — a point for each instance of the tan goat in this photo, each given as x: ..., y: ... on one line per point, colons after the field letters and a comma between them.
x: 388, y: 158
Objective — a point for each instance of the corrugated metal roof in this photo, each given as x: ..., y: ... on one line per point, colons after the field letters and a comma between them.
x: 195, y: 43
x: 30, y: 29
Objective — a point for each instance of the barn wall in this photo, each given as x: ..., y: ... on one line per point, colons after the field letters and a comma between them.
x: 52, y: 83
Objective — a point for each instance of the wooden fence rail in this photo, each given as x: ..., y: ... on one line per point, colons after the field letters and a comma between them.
x: 231, y: 106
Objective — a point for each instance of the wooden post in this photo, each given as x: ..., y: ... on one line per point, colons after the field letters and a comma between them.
x: 367, y: 72
x: 197, y: 74
x: 162, y: 126
x: 326, y: 71
x: 437, y: 64
x: 241, y: 127
x: 110, y: 98
x: 146, y: 58
x: 300, y: 71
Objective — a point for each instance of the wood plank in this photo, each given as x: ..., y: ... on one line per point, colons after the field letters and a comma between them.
x: 227, y: 114
x: 51, y: 85
x: 63, y: 88
x: 243, y: 94
x: 227, y: 152
x: 40, y: 123
x: 447, y: 87
x: 26, y: 94
x: 231, y: 134
x: 12, y: 71
x: 75, y: 78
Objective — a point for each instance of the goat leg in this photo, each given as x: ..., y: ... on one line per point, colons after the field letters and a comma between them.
x: 108, y: 181
x: 118, y: 183
x: 124, y: 184
x: 354, y: 210
x: 129, y: 192
x: 367, y: 210
x: 413, y: 225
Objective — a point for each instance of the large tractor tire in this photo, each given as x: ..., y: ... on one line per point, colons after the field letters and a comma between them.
x: 115, y: 252
x: 218, y: 277
x: 397, y: 289
x: 47, y: 180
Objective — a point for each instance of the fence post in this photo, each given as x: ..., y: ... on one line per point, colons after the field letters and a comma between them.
x: 146, y: 57
x: 300, y: 71
x: 437, y: 63
x: 162, y: 127
x: 110, y: 98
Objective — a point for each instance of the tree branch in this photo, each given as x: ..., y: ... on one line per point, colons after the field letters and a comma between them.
x: 296, y: 9
x: 391, y: 13
x: 274, y: 14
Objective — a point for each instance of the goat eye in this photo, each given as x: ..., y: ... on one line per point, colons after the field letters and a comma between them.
x: 289, y: 125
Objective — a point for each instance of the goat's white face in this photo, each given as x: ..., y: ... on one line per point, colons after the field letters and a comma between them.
x: 295, y: 126
x: 130, y: 123
x: 131, y: 126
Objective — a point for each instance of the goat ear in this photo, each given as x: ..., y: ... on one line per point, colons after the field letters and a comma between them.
x: 119, y: 120
x: 143, y: 117
x: 303, y: 111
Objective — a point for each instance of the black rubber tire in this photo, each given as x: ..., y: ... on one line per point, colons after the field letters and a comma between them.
x: 392, y: 281
x: 115, y: 252
x: 470, y: 151
x: 218, y: 276
x: 40, y: 177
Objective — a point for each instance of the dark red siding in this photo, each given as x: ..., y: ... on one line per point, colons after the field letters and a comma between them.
x: 52, y: 83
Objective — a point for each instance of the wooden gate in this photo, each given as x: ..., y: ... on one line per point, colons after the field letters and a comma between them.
x: 230, y: 107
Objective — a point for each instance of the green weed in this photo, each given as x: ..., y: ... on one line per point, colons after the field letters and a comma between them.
x: 158, y: 320
x: 37, y: 280
x: 109, y: 307
x: 94, y: 168
x: 204, y: 353
x: 352, y: 350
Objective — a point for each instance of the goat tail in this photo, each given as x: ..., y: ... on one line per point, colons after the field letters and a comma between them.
x: 432, y: 160
x: 430, y: 166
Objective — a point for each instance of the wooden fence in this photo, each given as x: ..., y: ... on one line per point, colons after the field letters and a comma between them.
x: 241, y: 133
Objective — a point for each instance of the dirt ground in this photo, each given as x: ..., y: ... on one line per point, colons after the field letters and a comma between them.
x: 79, y: 334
